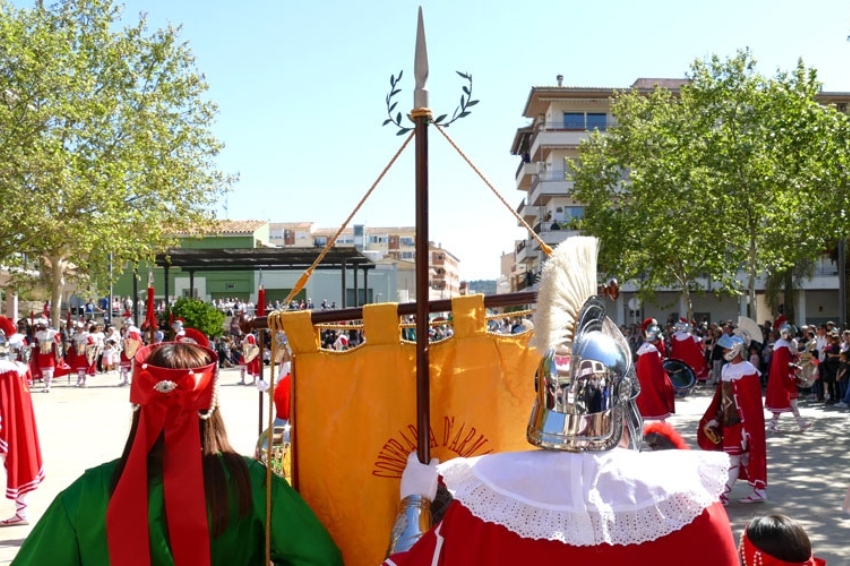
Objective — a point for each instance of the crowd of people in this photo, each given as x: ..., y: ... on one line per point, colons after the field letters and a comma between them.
x: 590, y: 491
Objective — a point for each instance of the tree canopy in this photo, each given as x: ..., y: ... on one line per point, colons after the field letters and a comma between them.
x: 702, y: 184
x: 105, y: 139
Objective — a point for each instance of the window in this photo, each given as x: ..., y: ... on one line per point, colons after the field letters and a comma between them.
x: 408, y: 255
x: 582, y: 121
x: 572, y: 212
x: 299, y: 235
x: 406, y: 241
x: 573, y: 120
x: 596, y: 121
x: 321, y: 241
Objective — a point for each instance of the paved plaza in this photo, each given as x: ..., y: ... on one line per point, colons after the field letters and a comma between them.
x: 807, y: 472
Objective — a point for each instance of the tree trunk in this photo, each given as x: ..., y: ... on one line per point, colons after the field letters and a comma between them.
x: 789, y: 296
x: 57, y: 282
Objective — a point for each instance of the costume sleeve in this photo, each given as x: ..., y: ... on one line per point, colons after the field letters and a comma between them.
x: 53, y: 540
x: 298, y: 538
x: 422, y: 553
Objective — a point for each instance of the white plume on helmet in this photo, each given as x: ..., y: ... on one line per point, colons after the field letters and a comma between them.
x: 569, y: 279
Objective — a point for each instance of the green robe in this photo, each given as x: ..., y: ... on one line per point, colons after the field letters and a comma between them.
x: 73, y: 529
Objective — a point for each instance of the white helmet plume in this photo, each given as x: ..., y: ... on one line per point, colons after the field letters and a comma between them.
x: 568, y: 280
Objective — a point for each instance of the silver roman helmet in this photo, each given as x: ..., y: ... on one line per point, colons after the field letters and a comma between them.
x: 586, y: 385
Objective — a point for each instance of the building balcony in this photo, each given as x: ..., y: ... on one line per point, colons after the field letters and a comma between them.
x: 528, y: 213
x: 524, y: 252
x: 551, y: 237
x: 548, y: 185
x: 552, y: 136
x: 524, y: 174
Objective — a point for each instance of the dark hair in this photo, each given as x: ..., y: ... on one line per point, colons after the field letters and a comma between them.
x: 217, y: 453
x: 781, y: 537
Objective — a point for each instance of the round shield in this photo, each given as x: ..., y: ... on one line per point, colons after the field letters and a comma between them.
x: 681, y: 375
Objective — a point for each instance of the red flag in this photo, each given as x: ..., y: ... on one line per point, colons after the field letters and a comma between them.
x: 261, y: 302
x: 150, y: 317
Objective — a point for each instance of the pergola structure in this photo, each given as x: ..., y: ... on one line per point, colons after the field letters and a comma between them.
x: 249, y: 259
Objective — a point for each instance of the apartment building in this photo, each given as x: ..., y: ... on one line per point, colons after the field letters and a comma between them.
x: 387, y: 246
x: 560, y: 117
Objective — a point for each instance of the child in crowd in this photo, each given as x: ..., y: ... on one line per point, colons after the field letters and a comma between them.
x: 776, y: 540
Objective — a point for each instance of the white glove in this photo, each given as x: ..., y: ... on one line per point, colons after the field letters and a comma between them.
x: 712, y: 424
x: 262, y: 385
x: 418, y: 478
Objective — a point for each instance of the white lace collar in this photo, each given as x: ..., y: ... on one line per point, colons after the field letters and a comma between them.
x: 12, y: 365
x: 619, y: 497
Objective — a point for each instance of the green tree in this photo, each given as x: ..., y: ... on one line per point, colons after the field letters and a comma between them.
x: 105, y: 140
x: 199, y: 315
x: 714, y: 180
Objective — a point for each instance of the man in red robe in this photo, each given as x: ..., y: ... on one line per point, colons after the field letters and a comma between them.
x: 656, y: 401
x: 589, y: 496
x: 782, y: 392
x: 688, y: 348
x: 734, y: 421
x: 19, y: 444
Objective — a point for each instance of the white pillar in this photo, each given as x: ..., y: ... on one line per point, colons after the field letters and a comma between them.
x: 801, y: 308
x: 11, y: 305
x: 742, y: 305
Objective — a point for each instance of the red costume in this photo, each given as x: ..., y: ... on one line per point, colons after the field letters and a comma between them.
x: 625, y: 507
x: 781, y: 381
x: 737, y: 409
x: 656, y: 400
x: 688, y: 348
x: 252, y: 367
x: 135, y: 335
x: 18, y: 436
x: 77, y: 357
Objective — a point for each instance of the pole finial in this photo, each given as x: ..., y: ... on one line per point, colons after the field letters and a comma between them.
x: 420, y: 66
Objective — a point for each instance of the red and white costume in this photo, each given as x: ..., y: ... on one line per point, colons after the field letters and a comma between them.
x: 737, y: 409
x: 131, y: 344
x: 781, y: 381
x: 46, y: 357
x: 19, y: 444
x: 686, y: 347
x: 656, y: 400
x: 77, y: 355
x: 782, y: 392
x: 252, y: 367
x: 554, y: 507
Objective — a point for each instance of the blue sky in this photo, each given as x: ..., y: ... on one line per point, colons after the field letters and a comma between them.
x: 301, y: 87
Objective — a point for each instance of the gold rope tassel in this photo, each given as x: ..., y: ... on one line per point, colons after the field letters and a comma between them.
x: 543, y: 245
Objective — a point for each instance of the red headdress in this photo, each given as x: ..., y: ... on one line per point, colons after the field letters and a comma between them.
x: 753, y: 556
x: 193, y: 336
x: 7, y: 326
x: 646, y: 324
x: 661, y: 435
x: 777, y: 324
x: 170, y: 401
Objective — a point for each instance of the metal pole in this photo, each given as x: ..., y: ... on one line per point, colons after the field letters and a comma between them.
x: 422, y: 116
x: 842, y: 285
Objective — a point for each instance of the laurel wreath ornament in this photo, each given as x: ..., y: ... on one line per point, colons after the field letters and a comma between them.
x: 461, y: 111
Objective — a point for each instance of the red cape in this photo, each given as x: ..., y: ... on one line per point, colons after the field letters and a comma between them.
x: 462, y: 539
x: 18, y: 433
x: 656, y: 399
x: 689, y: 351
x: 747, y: 391
x: 781, y: 381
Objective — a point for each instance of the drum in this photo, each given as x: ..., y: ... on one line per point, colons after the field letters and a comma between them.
x: 681, y: 375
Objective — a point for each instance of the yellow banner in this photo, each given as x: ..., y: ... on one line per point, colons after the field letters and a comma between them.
x: 354, y: 414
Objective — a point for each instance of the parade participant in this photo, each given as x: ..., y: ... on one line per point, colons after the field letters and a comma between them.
x: 179, y: 494
x: 589, y: 497
x: 659, y: 337
x: 177, y: 328
x: 129, y: 346
x: 782, y: 392
x: 48, y: 348
x: 734, y: 421
x: 657, y: 398
x: 688, y: 348
x: 19, y: 444
x: 776, y: 540
x: 250, y: 362
x: 81, y: 354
